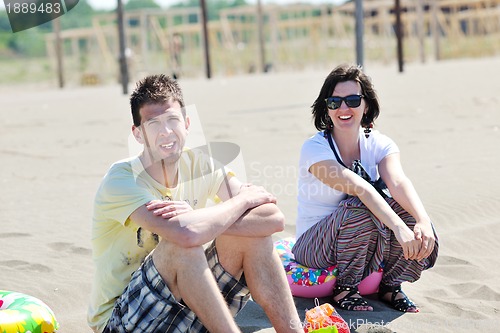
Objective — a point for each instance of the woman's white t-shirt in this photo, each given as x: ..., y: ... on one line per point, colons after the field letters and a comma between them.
x: 317, y: 200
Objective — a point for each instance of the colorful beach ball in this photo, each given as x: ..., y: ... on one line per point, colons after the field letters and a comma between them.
x: 316, y: 282
x: 20, y: 313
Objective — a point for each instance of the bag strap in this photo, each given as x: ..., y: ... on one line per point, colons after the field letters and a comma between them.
x: 379, y: 185
x: 330, y: 141
x: 357, y: 167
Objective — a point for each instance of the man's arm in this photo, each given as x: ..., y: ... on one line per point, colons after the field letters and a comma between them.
x: 260, y: 221
x: 197, y: 227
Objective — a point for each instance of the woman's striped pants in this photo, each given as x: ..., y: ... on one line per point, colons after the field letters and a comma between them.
x: 358, y: 243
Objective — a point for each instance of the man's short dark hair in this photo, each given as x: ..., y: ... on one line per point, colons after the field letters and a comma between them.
x: 154, y: 89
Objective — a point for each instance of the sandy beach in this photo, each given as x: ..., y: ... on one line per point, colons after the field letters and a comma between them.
x: 56, y: 145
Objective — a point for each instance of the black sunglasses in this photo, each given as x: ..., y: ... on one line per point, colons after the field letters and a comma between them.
x: 352, y: 101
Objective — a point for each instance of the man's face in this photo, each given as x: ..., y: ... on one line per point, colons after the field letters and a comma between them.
x: 163, y: 131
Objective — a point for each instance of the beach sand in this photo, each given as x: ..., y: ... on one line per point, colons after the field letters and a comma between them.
x: 445, y: 116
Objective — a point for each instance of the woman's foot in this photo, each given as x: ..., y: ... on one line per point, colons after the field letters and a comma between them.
x: 394, y: 296
x: 348, y: 298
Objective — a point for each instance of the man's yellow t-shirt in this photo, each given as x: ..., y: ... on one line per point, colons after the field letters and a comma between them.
x: 120, y: 245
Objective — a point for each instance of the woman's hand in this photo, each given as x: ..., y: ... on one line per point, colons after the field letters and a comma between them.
x: 408, y: 241
x: 424, y: 233
x: 168, y: 209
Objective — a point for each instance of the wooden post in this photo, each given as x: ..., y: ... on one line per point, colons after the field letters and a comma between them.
x: 274, y: 36
x: 122, y: 57
x: 59, y: 52
x: 144, y: 38
x: 260, y: 30
x: 359, y: 32
x: 436, y: 32
x: 399, y: 35
x: 204, y: 19
x: 421, y: 29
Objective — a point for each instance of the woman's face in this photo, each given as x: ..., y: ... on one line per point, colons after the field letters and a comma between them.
x: 347, y: 117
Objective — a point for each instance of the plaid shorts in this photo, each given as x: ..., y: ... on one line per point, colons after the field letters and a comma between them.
x: 148, y: 306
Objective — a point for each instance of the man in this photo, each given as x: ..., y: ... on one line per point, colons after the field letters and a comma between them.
x: 150, y: 225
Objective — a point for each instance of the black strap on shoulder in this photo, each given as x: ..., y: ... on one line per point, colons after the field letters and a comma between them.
x: 330, y: 141
x: 379, y: 185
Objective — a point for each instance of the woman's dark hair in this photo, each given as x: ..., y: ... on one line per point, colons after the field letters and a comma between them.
x: 344, y: 73
x: 154, y: 89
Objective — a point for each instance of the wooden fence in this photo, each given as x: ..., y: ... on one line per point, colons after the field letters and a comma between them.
x: 295, y: 37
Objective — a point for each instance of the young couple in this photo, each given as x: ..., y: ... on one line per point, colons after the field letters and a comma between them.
x: 154, y: 271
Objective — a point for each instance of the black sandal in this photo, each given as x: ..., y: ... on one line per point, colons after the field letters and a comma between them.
x: 402, y: 304
x: 348, y: 302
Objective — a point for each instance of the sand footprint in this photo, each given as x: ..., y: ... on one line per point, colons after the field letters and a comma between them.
x: 13, y: 235
x: 449, y: 260
x: 455, y: 309
x: 472, y: 290
x: 452, y: 267
x: 69, y: 248
x: 25, y: 266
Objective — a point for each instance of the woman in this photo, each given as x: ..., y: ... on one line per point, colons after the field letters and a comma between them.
x: 343, y: 219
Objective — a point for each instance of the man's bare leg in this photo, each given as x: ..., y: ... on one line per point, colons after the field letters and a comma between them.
x: 187, y: 275
x: 264, y: 275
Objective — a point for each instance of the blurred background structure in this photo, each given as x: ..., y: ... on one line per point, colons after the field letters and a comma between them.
x: 292, y: 37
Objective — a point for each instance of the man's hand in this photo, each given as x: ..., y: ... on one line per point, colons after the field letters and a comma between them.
x: 255, y: 195
x: 168, y: 209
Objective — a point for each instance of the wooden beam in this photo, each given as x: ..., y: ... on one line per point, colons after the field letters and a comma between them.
x: 122, y: 57
x: 206, y: 44
x: 399, y: 34
x: 59, y: 52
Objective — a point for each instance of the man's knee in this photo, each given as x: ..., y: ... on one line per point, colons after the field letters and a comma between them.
x: 170, y: 258
x: 167, y: 253
x: 243, y: 245
x: 232, y: 251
